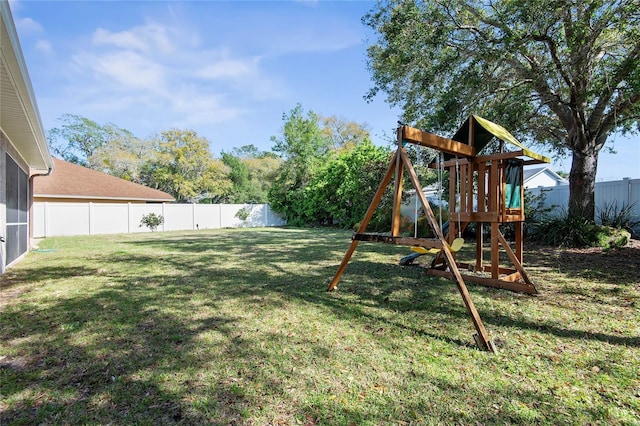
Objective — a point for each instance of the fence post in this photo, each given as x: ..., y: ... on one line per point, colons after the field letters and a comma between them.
x: 46, y: 219
x: 628, y: 182
x: 164, y: 217
x: 90, y: 218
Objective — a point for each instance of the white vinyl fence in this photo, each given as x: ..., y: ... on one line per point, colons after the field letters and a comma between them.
x: 623, y: 192
x: 57, y: 219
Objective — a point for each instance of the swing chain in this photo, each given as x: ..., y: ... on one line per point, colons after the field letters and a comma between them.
x: 458, y: 196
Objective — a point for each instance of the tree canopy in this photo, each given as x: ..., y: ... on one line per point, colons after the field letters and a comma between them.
x: 330, y: 170
x: 564, y: 73
x: 78, y: 139
x: 252, y: 172
x: 185, y: 167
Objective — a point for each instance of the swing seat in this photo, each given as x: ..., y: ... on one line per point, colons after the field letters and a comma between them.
x: 455, y: 246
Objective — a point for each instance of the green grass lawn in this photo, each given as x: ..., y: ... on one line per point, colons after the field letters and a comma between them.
x: 235, y: 327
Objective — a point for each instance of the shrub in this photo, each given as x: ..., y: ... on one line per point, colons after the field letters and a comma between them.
x: 535, y: 214
x: 565, y: 231
x: 535, y: 211
x: 578, y: 231
x: 620, y: 218
x: 243, y: 214
x: 609, y: 237
x: 151, y: 221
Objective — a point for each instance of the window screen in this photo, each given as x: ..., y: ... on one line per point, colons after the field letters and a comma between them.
x: 17, y: 191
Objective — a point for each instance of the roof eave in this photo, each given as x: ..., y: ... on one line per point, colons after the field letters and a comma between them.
x: 23, y: 126
x: 89, y: 197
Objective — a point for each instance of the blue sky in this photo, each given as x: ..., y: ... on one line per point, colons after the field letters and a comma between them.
x: 227, y: 70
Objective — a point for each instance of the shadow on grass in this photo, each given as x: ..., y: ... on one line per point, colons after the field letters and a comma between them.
x: 101, y: 358
x: 15, y: 277
x: 428, y: 294
x: 612, y: 267
x: 106, y: 356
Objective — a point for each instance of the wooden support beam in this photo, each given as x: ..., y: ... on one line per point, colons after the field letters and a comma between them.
x: 511, y: 277
x: 430, y: 140
x: 482, y: 180
x: 495, y: 250
x: 498, y: 156
x: 485, y: 217
x: 494, y: 185
x: 518, y: 287
x: 479, y: 245
x: 464, y: 190
x: 460, y: 161
x: 482, y: 337
x: 514, y: 259
x: 400, y: 241
x: 501, y: 270
x: 397, y: 202
x: 365, y: 221
x: 470, y: 188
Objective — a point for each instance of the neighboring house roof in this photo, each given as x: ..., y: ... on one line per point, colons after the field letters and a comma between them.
x: 73, y: 181
x: 532, y: 173
x: 19, y: 115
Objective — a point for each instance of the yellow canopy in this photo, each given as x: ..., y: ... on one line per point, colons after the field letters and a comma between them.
x: 503, y: 134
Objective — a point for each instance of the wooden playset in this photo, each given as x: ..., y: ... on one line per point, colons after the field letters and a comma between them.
x: 484, y: 189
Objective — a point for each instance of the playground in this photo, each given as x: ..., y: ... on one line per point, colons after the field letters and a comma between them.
x: 234, y: 326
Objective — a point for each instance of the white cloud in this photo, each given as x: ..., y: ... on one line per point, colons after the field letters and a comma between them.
x: 228, y: 68
x: 44, y: 46
x: 146, y: 38
x: 28, y: 26
x: 198, y: 108
x: 126, y: 69
x: 167, y: 74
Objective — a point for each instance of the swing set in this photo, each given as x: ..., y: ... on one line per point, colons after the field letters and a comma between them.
x: 486, y: 190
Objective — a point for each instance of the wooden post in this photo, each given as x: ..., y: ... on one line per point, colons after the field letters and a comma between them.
x: 482, y: 337
x: 495, y: 250
x: 462, y: 183
x: 481, y: 208
x: 397, y: 202
x: 479, y: 245
x: 482, y: 170
x: 365, y: 221
x: 515, y: 261
x: 470, y: 173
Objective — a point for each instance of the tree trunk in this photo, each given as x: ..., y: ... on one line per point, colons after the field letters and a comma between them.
x: 582, y: 183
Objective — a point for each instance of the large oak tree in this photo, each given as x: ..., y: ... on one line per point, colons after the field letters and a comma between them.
x: 565, y: 73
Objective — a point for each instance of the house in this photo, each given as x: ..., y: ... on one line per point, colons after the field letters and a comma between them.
x: 75, y: 200
x: 408, y: 208
x: 74, y: 183
x: 542, y: 176
x: 24, y: 152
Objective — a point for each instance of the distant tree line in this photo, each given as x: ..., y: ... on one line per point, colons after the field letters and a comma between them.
x: 320, y: 170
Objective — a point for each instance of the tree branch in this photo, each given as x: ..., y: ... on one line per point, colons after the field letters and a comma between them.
x: 622, y: 107
x: 553, y: 52
x: 621, y: 73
